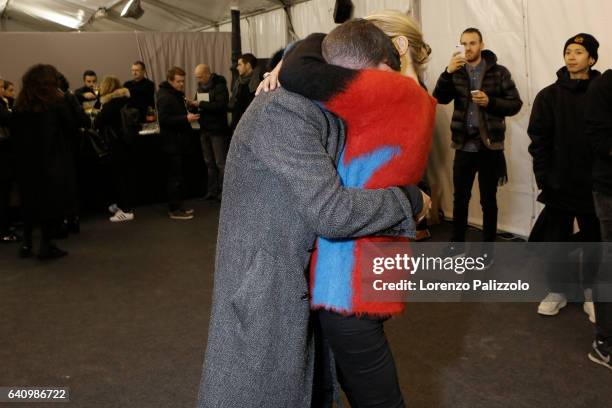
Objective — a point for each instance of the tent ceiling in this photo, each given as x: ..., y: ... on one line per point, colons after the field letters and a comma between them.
x: 160, y: 15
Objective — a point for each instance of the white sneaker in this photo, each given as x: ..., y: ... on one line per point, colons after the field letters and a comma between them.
x: 113, y: 208
x: 589, y: 309
x: 552, y: 303
x: 121, y: 216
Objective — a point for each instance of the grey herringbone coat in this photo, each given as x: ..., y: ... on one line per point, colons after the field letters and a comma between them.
x: 281, y: 191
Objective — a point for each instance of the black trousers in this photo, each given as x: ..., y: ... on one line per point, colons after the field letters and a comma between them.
x: 122, y: 173
x: 214, y: 150
x: 365, y: 365
x: 603, y: 289
x: 174, y: 180
x: 5, y: 196
x: 465, y: 167
x: 556, y: 225
x: 48, y: 229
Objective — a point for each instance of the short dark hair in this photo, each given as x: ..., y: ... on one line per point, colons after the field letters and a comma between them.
x: 359, y: 44
x: 249, y: 58
x: 142, y: 65
x: 7, y: 84
x: 174, y: 71
x: 89, y: 72
x: 472, y: 30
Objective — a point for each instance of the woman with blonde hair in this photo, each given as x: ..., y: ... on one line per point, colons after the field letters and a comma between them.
x: 407, y: 38
x: 109, y: 122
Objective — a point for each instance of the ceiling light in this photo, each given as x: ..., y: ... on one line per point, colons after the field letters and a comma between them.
x: 132, y: 10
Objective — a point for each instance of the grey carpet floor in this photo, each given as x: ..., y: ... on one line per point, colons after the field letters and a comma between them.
x: 122, y: 321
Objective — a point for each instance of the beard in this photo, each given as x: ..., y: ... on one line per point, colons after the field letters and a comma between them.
x: 472, y: 56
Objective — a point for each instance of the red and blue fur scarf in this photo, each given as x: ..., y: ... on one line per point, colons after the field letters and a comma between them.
x: 389, y: 123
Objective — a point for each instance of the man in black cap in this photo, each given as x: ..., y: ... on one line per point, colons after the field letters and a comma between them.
x: 599, y: 133
x: 562, y: 167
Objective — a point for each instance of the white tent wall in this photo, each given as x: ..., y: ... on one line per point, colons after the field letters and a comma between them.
x: 265, y: 33
x: 528, y: 38
x: 317, y: 15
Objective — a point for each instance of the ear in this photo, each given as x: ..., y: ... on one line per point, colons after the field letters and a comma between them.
x: 401, y: 44
x: 591, y: 61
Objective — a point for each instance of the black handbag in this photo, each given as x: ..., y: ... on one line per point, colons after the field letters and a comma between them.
x: 98, y: 141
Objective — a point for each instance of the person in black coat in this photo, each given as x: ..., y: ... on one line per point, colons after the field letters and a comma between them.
x: 214, y: 130
x: 484, y: 95
x: 142, y: 90
x: 88, y: 95
x: 599, y: 133
x: 175, y: 126
x: 109, y: 122
x: 243, y: 91
x: 83, y: 121
x: 6, y: 169
x: 9, y: 94
x: 40, y: 129
x: 562, y: 167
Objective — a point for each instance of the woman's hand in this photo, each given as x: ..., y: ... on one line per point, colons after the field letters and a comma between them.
x: 270, y: 82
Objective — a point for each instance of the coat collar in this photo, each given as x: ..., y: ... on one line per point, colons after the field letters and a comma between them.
x: 117, y: 93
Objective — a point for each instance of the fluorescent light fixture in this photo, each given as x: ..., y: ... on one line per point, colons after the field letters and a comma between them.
x: 132, y: 9
x: 45, y: 14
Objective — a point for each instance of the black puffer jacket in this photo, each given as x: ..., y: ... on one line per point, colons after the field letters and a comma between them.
x: 561, y: 153
x: 599, y: 131
x: 504, y: 100
x: 172, y: 112
x: 213, y: 114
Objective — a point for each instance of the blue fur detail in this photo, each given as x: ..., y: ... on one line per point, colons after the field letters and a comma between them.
x: 335, y: 259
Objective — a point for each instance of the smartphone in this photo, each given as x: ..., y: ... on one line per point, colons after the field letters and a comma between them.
x: 461, y: 49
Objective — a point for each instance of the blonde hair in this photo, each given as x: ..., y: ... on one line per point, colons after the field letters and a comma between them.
x: 395, y: 24
x: 109, y: 84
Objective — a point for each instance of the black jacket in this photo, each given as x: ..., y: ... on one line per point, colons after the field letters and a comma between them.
x: 243, y: 94
x: 44, y: 162
x: 504, y: 100
x: 6, y: 148
x: 142, y: 95
x: 599, y: 130
x: 213, y: 114
x: 561, y: 154
x: 110, y: 115
x: 172, y: 114
x: 83, y: 90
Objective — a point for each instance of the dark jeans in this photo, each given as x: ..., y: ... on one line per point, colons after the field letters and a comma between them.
x: 603, y: 289
x: 556, y: 225
x: 174, y: 181
x: 465, y: 167
x: 214, y: 149
x: 366, y: 369
x: 5, y: 196
x: 122, y: 172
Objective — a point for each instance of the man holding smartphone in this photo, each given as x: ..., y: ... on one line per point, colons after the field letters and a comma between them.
x: 484, y: 94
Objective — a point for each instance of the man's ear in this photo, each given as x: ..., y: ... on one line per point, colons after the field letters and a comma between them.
x: 401, y: 44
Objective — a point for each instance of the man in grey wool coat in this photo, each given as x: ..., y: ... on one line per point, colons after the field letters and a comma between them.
x: 281, y: 191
